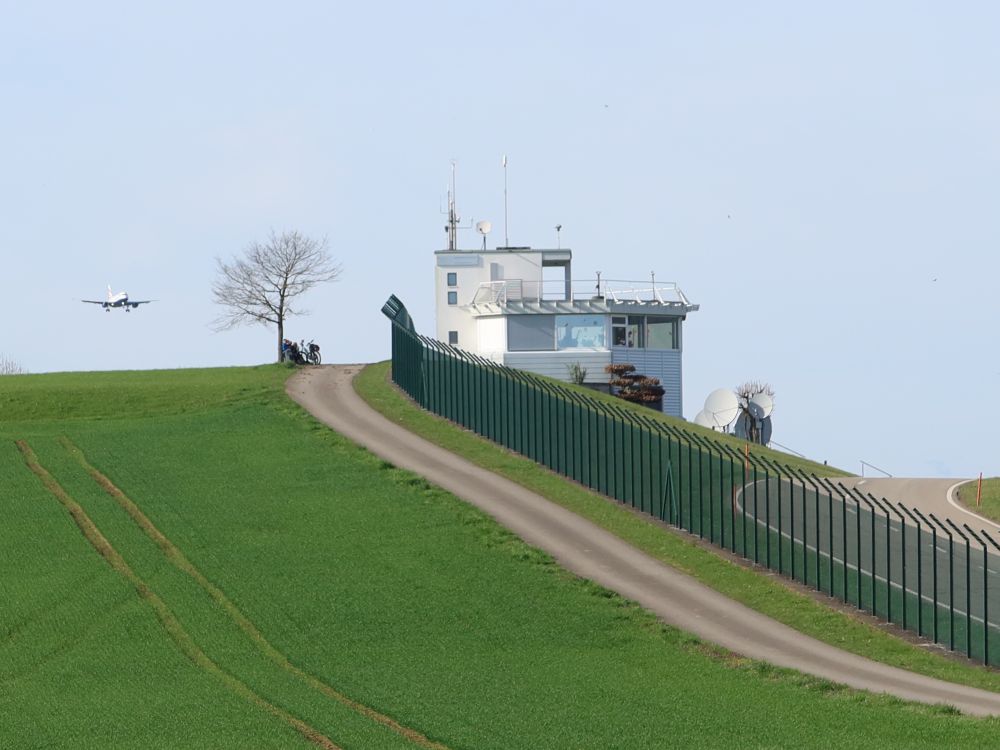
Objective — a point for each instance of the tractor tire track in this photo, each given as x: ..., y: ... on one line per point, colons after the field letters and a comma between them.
x: 167, y: 618
x: 178, y: 559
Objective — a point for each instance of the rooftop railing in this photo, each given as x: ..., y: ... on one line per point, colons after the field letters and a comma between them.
x: 522, y: 290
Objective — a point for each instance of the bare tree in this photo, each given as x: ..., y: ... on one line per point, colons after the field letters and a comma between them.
x: 745, y: 392
x: 261, y: 286
x: 10, y: 367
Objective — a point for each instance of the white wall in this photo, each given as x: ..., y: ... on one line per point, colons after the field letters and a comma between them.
x: 492, y: 337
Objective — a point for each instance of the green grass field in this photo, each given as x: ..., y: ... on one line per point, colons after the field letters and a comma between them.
x: 760, y: 592
x: 990, y: 507
x: 191, y: 561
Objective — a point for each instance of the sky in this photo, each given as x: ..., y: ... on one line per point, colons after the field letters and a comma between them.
x: 820, y: 178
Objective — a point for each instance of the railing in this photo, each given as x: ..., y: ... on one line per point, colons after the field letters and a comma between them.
x: 525, y: 290
x: 916, y: 571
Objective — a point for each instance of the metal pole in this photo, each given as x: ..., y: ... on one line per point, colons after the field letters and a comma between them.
x: 920, y: 566
x: 871, y: 550
x: 934, y: 551
x: 951, y: 581
x: 888, y: 558
x: 968, y: 590
x: 986, y: 583
x: 986, y: 622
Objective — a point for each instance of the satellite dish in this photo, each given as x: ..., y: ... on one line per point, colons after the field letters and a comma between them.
x: 742, y: 428
x: 760, y: 406
x: 723, y: 405
x: 765, y: 431
x: 484, y: 227
x: 704, y: 419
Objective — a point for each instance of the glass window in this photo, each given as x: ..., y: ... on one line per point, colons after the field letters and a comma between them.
x: 661, y: 333
x: 580, y: 332
x: 635, y: 329
x: 618, y: 336
x: 452, y: 279
x: 452, y: 298
x: 453, y: 338
x: 531, y: 333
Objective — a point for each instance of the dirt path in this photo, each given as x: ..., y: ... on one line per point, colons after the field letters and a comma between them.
x: 593, y: 553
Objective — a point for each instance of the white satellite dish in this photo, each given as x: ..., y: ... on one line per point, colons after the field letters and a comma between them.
x: 484, y: 227
x: 704, y: 419
x: 723, y: 405
x: 760, y: 406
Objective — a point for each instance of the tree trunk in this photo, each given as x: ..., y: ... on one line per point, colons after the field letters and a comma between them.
x: 281, y: 337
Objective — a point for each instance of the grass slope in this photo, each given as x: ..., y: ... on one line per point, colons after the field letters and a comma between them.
x: 393, y: 592
x: 760, y: 592
x: 990, y: 507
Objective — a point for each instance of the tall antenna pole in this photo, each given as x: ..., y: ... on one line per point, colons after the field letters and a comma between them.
x: 452, y: 213
x: 506, y: 239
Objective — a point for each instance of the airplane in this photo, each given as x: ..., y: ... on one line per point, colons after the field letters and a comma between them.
x: 119, y: 300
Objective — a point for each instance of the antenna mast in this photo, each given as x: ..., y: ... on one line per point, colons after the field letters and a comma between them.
x: 506, y: 239
x: 453, y: 218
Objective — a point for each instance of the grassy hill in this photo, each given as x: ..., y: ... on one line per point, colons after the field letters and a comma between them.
x: 190, y: 561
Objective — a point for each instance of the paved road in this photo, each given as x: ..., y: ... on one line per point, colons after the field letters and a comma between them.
x: 593, y: 553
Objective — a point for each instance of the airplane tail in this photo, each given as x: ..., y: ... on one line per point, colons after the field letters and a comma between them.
x: 110, y: 293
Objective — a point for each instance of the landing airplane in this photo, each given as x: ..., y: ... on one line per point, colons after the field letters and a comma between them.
x: 118, y: 300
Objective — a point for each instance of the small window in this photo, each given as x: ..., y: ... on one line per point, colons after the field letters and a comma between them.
x: 453, y: 338
x: 452, y: 298
x: 452, y: 279
x: 618, y: 328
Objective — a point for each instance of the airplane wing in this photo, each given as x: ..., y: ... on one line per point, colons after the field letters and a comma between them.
x: 137, y: 302
x: 94, y: 301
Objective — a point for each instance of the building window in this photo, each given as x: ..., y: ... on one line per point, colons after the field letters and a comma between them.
x: 635, y: 332
x: 661, y: 333
x: 580, y: 332
x: 618, y: 330
x: 453, y: 338
x: 452, y: 279
x: 531, y: 333
x: 452, y: 298
x: 645, y: 332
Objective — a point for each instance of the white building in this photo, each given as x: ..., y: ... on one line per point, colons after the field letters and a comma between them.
x: 519, y: 307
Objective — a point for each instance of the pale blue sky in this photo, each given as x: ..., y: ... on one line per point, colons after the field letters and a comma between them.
x: 823, y: 181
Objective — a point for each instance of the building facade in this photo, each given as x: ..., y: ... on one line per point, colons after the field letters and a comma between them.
x: 520, y: 307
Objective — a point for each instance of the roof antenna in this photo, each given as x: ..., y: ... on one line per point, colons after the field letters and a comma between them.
x: 506, y: 239
x: 453, y: 218
x: 558, y: 238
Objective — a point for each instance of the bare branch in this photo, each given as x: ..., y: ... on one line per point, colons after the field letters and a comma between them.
x: 261, y: 286
x: 10, y: 367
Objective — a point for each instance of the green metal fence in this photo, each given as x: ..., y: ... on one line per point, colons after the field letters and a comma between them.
x: 928, y: 575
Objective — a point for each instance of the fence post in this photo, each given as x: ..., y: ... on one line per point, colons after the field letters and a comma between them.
x: 934, y: 567
x: 902, y: 534
x: 888, y: 556
x: 968, y: 590
x: 871, y: 561
x: 920, y: 566
x: 986, y: 622
x: 951, y: 581
x: 986, y: 583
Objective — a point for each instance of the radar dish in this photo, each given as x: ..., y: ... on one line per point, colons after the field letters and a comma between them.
x: 723, y: 405
x: 704, y: 419
x: 760, y: 406
x: 484, y: 227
